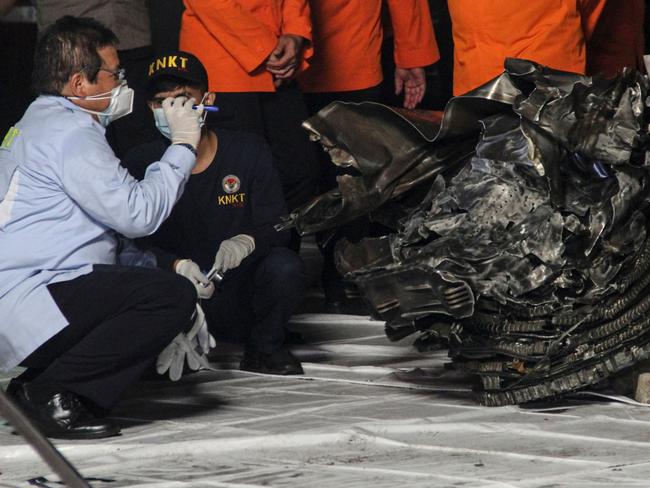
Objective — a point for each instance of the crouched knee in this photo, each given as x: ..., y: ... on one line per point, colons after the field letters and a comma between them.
x: 285, y: 268
x: 178, y: 297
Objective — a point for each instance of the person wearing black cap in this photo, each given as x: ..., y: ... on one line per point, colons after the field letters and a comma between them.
x: 224, y: 221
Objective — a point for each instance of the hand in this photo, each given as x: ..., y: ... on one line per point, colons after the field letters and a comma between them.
x: 184, y: 121
x: 190, y: 347
x: 283, y: 61
x: 413, y: 82
x: 191, y: 271
x: 233, y: 251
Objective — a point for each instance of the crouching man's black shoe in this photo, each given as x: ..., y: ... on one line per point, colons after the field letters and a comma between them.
x: 281, y: 362
x: 62, y: 415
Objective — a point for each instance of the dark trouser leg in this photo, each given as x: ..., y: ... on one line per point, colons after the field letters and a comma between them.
x: 295, y: 155
x: 238, y: 111
x: 253, y: 304
x: 280, y: 282
x: 120, y: 319
x: 317, y: 101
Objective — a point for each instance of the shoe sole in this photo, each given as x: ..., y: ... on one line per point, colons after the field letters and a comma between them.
x: 56, y: 435
x: 80, y: 436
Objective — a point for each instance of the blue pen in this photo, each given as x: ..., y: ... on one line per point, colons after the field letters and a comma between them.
x: 207, y: 108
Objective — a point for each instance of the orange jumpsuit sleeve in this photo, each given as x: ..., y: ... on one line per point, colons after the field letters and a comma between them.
x: 243, y: 36
x: 296, y: 20
x: 590, y: 11
x: 415, y: 42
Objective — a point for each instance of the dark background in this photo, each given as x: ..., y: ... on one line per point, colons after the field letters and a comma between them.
x: 17, y: 40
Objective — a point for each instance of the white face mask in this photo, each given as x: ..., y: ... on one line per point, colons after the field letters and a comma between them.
x: 161, y: 120
x: 121, y: 103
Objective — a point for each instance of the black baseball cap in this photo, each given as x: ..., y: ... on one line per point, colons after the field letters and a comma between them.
x: 178, y: 64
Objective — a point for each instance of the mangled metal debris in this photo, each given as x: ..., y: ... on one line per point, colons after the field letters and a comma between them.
x: 519, y: 224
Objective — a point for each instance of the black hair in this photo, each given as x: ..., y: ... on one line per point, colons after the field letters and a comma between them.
x: 67, y: 47
x: 167, y: 83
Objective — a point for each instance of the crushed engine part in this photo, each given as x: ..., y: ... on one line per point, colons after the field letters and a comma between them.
x: 519, y: 219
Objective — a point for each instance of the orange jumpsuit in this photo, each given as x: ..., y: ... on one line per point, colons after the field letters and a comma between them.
x: 347, y: 42
x: 618, y: 40
x: 550, y: 32
x: 233, y: 38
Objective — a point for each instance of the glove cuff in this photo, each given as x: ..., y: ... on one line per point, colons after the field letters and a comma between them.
x: 247, y: 241
x: 180, y: 263
x: 187, y: 145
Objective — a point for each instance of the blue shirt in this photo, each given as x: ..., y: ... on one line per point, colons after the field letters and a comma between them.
x: 63, y: 198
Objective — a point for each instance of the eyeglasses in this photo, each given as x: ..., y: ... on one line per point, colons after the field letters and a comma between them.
x: 119, y: 74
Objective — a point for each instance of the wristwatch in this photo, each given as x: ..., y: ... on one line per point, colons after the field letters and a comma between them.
x: 189, y: 146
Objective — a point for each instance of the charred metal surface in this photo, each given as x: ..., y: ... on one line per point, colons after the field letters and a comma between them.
x: 520, y: 222
x: 389, y: 150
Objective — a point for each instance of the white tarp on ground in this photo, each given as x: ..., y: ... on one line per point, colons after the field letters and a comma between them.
x: 368, y: 413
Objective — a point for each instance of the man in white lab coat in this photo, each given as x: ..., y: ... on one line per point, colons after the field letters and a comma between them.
x: 83, y: 316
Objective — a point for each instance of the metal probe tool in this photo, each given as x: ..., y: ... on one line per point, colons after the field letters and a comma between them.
x: 213, y: 275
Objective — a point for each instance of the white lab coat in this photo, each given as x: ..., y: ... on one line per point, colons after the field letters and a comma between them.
x: 63, y: 198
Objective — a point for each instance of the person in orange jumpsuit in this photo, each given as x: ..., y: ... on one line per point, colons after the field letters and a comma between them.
x: 618, y: 40
x: 553, y: 32
x: 346, y: 66
x: 252, y: 50
x: 348, y: 35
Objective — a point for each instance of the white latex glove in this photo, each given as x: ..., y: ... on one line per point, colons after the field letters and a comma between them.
x: 191, y: 271
x: 184, y: 122
x: 233, y: 251
x: 199, y: 335
x: 190, y: 347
